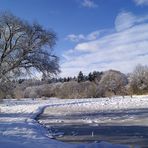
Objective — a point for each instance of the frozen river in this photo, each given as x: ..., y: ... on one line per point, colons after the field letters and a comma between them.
x: 115, y: 120
x: 119, y: 126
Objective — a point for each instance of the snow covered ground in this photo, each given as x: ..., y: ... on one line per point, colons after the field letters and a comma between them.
x: 18, y: 127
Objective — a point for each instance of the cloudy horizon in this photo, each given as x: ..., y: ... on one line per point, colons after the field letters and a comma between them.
x: 122, y: 48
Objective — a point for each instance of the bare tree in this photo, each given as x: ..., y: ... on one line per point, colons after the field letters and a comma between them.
x: 138, y: 80
x: 24, y: 48
x: 112, y: 82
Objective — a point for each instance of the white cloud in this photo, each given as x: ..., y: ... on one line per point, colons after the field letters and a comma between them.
x: 141, y: 2
x: 89, y: 4
x: 87, y: 47
x: 68, y: 53
x: 125, y: 20
x: 75, y: 38
x: 93, y: 35
x: 81, y: 37
x: 121, y: 50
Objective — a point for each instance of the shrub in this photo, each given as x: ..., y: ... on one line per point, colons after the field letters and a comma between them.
x: 74, y: 89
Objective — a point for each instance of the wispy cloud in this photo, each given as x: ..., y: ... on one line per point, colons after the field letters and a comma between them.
x: 75, y: 38
x: 81, y: 37
x: 141, y: 2
x: 125, y: 20
x: 120, y: 50
x: 89, y: 4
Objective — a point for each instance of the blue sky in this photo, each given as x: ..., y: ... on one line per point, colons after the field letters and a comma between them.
x: 92, y: 34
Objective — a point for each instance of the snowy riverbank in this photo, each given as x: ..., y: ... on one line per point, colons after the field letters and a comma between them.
x: 18, y: 127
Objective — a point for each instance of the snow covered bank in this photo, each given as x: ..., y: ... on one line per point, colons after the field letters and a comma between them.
x: 19, y: 129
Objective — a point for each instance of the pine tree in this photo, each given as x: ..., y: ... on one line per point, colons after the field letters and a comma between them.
x: 80, y: 77
x: 65, y: 79
x: 90, y: 77
x: 95, y: 75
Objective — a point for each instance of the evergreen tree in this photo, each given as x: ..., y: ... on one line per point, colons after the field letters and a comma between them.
x: 68, y: 79
x: 90, y: 77
x: 80, y: 77
x: 65, y: 80
x: 95, y: 75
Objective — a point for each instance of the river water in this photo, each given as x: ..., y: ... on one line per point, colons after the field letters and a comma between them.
x: 121, y: 127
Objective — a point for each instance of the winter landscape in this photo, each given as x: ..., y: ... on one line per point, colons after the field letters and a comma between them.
x: 19, y: 126
x: 74, y: 74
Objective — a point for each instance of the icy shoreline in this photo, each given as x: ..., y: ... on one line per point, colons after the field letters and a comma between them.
x: 18, y: 127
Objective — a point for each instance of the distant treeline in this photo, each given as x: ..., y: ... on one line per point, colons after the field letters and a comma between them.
x: 95, y: 84
x: 80, y: 78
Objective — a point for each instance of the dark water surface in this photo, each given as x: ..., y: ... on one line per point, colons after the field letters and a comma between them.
x: 121, y: 127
